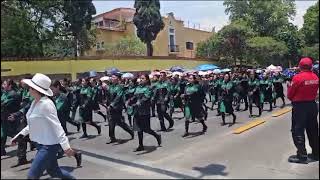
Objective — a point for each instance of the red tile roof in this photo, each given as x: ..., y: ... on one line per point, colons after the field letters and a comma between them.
x: 118, y: 13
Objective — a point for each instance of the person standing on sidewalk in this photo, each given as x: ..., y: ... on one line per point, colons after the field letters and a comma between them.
x: 45, y: 129
x: 302, y: 92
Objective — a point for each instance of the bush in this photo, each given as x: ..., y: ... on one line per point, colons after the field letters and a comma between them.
x: 127, y: 46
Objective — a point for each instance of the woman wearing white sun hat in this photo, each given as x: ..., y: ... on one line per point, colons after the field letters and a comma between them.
x: 45, y: 129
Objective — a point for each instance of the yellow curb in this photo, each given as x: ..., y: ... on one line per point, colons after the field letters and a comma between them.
x: 281, y: 111
x: 248, y: 126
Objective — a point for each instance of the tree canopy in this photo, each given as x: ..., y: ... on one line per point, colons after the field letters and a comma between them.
x: 148, y: 21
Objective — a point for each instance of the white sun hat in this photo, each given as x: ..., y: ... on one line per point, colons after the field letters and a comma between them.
x: 40, y: 83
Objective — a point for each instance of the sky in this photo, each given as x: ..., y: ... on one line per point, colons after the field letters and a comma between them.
x: 208, y: 14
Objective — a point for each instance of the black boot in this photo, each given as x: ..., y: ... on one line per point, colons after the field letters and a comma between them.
x: 20, y: 163
x: 298, y: 159
x: 84, y: 129
x: 186, y: 125
x: 78, y: 156
x: 204, y: 126
x: 223, y: 115
x: 78, y: 127
x: 234, y: 118
x: 140, y: 137
x: 270, y: 107
x: 159, y: 139
x: 260, y: 111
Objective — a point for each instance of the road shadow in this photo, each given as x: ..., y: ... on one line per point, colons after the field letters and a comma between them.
x: 148, y: 149
x: 121, y: 141
x: 194, y: 134
x: 71, y: 138
x: 10, y: 154
x: 173, y: 174
x: 90, y: 137
x: 169, y: 130
x: 211, y: 169
x: 72, y: 133
x: 66, y: 168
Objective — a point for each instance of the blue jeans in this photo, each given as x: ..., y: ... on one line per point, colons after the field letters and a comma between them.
x: 46, y: 159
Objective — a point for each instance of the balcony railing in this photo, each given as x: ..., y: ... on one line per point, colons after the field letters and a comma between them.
x: 173, y: 48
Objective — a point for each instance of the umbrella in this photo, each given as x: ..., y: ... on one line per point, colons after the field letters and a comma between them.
x: 177, y: 69
x: 92, y: 74
x: 202, y: 73
x: 216, y: 71
x: 112, y: 71
x: 206, y: 67
x: 177, y: 73
x: 127, y: 75
x: 226, y: 70
x: 105, y: 78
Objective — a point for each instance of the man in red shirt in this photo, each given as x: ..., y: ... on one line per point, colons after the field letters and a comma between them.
x: 302, y: 92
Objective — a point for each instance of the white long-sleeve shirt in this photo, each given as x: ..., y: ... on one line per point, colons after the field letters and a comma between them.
x: 43, y: 124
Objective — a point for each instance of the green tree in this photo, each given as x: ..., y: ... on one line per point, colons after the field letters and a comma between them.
x: 310, y: 27
x: 28, y: 26
x: 293, y: 40
x: 312, y: 51
x: 148, y: 21
x: 233, y: 42
x: 127, y: 46
x: 266, y: 18
x: 266, y: 50
x: 78, y: 16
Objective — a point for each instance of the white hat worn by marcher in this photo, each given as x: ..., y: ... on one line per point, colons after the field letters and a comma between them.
x: 40, y: 83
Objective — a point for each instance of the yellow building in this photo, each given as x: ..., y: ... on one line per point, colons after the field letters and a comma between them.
x: 174, y: 40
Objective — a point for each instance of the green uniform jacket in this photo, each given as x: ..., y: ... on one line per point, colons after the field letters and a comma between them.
x: 162, y: 93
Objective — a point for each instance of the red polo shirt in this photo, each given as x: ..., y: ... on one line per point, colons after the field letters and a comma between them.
x: 304, y: 87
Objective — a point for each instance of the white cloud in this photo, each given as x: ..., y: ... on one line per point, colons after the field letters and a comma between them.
x: 301, y: 9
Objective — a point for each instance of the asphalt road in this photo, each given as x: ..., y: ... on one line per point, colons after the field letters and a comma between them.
x: 260, y: 152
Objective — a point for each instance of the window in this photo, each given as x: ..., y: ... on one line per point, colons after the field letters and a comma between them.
x: 189, y: 45
x: 101, y: 23
x: 171, y: 30
x: 98, y: 46
x: 102, y: 45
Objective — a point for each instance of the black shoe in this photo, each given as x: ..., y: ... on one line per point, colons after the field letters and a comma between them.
x: 314, y: 157
x: 163, y: 129
x: 153, y: 115
x: 185, y: 134
x: 245, y: 109
x: 234, y: 119
x: 204, y: 129
x: 223, y: 124
x: 298, y: 159
x: 140, y: 148
x: 78, y: 156
x: 78, y: 127
x: 32, y: 147
x: 20, y: 163
x: 84, y: 136
x: 159, y: 140
x: 99, y: 130
x: 132, y: 135
x: 3, y: 153
x: 170, y: 126
x: 67, y: 133
x: 112, y: 141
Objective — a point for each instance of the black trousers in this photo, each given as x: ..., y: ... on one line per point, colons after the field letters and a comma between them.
x: 245, y: 99
x: 162, y: 113
x: 118, y: 120
x: 304, y: 117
